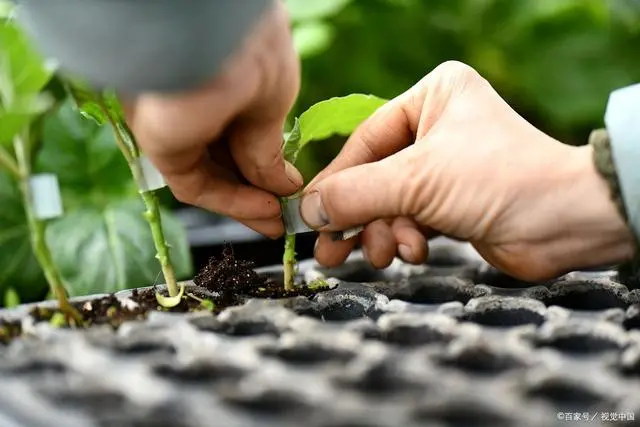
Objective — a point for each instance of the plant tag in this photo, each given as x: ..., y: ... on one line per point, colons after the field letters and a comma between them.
x: 151, y: 177
x: 45, y: 196
x: 294, y: 224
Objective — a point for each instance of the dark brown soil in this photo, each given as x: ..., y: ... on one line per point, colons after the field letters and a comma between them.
x: 234, y: 278
x: 230, y: 279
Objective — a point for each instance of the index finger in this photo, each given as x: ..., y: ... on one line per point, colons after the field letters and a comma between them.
x: 388, y: 130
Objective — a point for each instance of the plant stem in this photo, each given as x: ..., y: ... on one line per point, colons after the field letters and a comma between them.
x: 37, y: 231
x: 126, y: 142
x: 152, y: 215
x: 9, y: 163
x: 289, y: 261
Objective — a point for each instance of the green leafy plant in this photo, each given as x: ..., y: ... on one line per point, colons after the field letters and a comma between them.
x: 334, y: 116
x: 23, y: 100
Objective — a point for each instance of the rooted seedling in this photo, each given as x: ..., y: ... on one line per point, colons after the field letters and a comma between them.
x: 105, y: 107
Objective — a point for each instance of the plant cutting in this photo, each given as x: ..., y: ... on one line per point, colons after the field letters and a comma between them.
x: 24, y: 100
x: 105, y: 108
x: 334, y: 116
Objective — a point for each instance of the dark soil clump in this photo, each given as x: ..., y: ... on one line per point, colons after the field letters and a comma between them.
x: 233, y: 278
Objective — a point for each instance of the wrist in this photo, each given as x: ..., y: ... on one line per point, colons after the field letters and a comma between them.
x: 595, y: 231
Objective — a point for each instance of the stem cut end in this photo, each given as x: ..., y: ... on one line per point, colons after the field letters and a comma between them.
x: 168, y: 302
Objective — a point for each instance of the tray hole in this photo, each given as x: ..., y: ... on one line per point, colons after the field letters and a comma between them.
x: 378, y: 379
x: 481, y: 361
x: 414, y: 335
x: 580, y: 344
x: 587, y: 299
x: 567, y: 394
x: 505, y: 317
x: 34, y: 367
x: 144, y: 347
x: 268, y: 402
x: 464, y: 414
x: 246, y: 328
x: 199, y: 373
x: 309, y: 354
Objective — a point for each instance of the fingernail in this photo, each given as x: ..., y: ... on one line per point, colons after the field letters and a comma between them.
x: 312, y: 211
x: 365, y: 254
x: 405, y: 252
x: 293, y: 174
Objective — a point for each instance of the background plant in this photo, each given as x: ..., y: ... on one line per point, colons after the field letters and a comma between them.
x: 555, y: 61
x: 102, y: 243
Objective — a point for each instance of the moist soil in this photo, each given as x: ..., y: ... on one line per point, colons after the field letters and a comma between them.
x: 231, y: 282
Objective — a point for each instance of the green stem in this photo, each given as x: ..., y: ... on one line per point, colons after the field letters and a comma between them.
x: 9, y: 163
x: 152, y: 215
x: 37, y: 231
x: 126, y: 142
x: 289, y: 261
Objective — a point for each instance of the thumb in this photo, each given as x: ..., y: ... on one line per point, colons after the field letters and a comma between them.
x: 358, y: 195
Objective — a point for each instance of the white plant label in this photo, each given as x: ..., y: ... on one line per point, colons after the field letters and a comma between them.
x: 46, y: 197
x: 151, y: 177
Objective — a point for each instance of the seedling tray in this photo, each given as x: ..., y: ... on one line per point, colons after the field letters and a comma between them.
x: 450, y: 343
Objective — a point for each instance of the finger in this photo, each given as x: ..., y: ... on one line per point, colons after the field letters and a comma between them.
x: 214, y: 188
x: 378, y: 244
x: 256, y: 147
x: 389, y: 129
x: 330, y: 253
x: 271, y: 228
x: 361, y: 194
x: 412, y: 244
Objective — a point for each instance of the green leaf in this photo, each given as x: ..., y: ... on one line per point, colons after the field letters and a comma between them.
x: 312, y: 38
x: 110, y: 249
x: 18, y: 266
x: 334, y: 116
x: 84, y: 156
x: 292, y: 142
x: 301, y: 10
x: 86, y: 101
x: 27, y: 69
x: 20, y: 114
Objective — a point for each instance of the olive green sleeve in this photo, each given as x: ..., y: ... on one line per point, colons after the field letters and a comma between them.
x: 605, y: 164
x: 140, y: 45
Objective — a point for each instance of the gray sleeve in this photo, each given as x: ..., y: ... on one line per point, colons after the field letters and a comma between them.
x: 140, y: 45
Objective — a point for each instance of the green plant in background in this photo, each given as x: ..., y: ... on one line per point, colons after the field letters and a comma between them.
x: 312, y: 33
x: 103, y: 243
x: 23, y: 78
x: 335, y: 116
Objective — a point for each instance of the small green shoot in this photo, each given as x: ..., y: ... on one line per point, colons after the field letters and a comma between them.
x: 334, y: 116
x: 318, y: 284
x: 11, y: 298
x: 58, y: 320
x: 170, y: 301
x: 206, y: 304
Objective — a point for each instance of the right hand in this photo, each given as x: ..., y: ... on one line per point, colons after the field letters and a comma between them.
x: 449, y: 156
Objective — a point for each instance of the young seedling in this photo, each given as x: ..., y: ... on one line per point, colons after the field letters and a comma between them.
x: 105, y: 108
x: 334, y: 116
x: 23, y: 100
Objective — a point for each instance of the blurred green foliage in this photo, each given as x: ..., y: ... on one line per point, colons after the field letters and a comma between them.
x: 554, y: 61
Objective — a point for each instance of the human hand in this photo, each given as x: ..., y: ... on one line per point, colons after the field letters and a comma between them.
x: 219, y: 146
x: 449, y: 156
